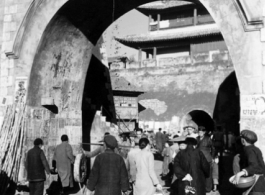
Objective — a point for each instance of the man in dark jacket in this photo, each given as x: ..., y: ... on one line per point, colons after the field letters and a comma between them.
x: 109, y: 174
x: 251, y: 163
x: 205, y: 145
x: 36, y: 163
x: 160, y: 141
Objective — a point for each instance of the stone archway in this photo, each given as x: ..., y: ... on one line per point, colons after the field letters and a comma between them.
x: 202, y: 118
x: 190, y: 112
x: 234, y: 20
x: 227, y: 14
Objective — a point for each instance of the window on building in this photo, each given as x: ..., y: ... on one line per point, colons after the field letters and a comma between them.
x: 173, y: 52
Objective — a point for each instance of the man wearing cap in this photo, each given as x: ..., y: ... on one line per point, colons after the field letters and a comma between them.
x: 251, y: 163
x: 36, y: 165
x: 109, y: 174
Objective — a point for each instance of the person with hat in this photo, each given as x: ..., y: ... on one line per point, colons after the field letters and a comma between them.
x: 178, y: 145
x: 109, y: 174
x: 64, y: 158
x: 192, y: 129
x: 251, y: 163
x: 191, y: 168
x: 206, y: 146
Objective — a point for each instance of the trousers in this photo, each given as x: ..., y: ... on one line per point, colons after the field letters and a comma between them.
x: 36, y: 188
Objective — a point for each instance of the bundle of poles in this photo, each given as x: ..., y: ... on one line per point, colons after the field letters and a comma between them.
x: 12, y: 140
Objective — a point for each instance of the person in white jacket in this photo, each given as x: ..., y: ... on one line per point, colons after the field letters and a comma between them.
x: 146, y: 180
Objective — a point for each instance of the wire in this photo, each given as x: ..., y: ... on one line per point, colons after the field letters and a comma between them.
x: 113, y: 10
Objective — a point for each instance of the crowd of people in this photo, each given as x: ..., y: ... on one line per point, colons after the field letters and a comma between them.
x: 127, y: 165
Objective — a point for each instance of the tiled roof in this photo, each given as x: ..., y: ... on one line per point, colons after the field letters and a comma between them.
x: 174, y: 34
x: 164, y: 5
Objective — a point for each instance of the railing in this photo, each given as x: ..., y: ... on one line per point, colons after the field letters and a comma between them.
x: 181, y: 60
x: 182, y: 22
x: 205, y: 19
x: 175, y: 23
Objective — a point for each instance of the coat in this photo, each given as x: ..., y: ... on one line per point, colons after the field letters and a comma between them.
x: 64, y: 158
x: 36, y: 164
x: 252, y: 162
x: 206, y: 146
x: 131, y: 162
x: 145, y: 173
x: 168, y: 157
x: 108, y: 174
x: 191, y: 161
x: 160, y: 138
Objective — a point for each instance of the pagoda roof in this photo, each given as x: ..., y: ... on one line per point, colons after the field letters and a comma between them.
x: 159, y: 5
x: 169, y: 35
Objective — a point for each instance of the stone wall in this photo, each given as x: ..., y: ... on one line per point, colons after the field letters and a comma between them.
x: 175, y: 86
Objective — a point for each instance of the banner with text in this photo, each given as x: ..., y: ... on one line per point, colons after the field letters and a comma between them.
x: 252, y: 106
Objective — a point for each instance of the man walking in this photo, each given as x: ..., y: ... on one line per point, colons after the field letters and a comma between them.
x: 64, y: 158
x: 109, y: 174
x: 36, y: 165
x: 159, y: 141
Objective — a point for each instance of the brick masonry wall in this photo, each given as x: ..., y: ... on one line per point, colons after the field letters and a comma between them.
x: 12, y: 13
x: 174, y: 85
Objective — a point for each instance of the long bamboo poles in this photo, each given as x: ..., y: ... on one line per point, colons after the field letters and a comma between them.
x: 12, y: 139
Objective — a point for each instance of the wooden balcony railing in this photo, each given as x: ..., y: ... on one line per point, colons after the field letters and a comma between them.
x: 182, y: 22
x: 205, y: 19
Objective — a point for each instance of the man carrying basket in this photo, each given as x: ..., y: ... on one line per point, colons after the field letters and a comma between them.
x: 252, y: 164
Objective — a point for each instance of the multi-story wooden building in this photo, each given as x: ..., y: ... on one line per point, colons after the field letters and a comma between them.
x: 176, y: 28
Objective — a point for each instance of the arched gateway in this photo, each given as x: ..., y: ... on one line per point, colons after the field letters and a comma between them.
x: 54, y: 47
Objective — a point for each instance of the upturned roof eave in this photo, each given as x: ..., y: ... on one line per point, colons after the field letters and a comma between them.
x: 152, y: 6
x: 137, y: 43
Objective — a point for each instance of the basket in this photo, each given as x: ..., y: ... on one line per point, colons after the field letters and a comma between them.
x: 80, y: 168
x: 244, y: 182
